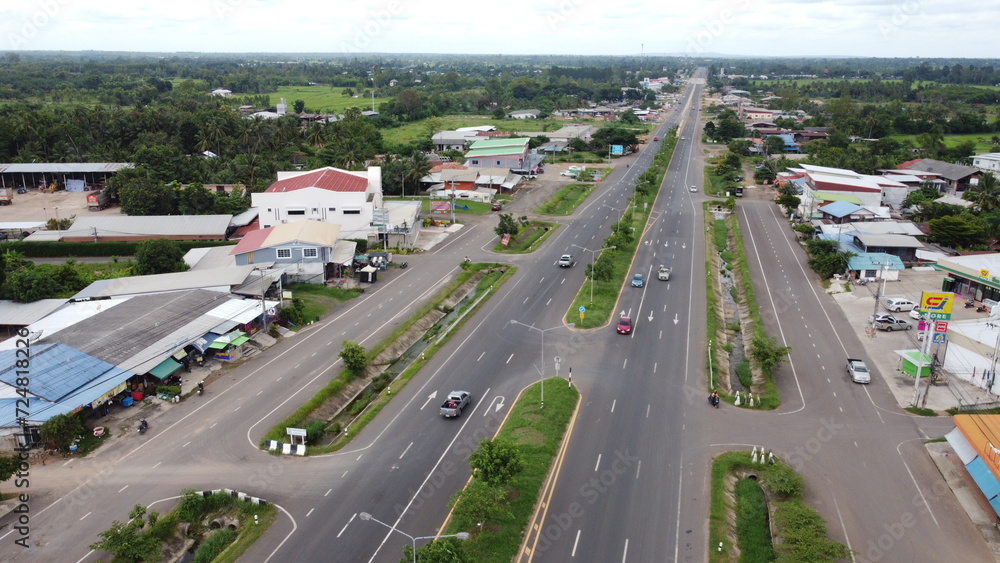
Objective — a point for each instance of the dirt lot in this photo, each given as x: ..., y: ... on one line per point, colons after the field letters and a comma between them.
x: 35, y: 206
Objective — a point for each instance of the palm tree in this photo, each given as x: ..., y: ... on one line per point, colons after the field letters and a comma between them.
x: 986, y: 194
x: 417, y: 167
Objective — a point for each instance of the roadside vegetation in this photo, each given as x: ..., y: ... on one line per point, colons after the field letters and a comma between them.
x: 149, y: 536
x: 566, y: 199
x: 745, y: 496
x: 356, y: 394
x: 525, y: 236
x: 611, y: 270
x: 496, y: 507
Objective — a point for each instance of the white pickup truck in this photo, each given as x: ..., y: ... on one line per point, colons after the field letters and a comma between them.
x: 858, y: 370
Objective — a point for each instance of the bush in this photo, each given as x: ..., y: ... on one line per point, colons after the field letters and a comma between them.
x: 214, y: 545
x: 360, y: 404
x: 381, y: 381
x: 315, y: 430
x: 170, y: 389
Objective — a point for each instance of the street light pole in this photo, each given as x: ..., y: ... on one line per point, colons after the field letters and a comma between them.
x: 541, y: 370
x: 592, y: 260
x: 368, y: 517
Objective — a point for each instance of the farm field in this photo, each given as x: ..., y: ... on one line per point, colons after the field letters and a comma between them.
x: 322, y: 99
x: 412, y: 132
x: 982, y: 140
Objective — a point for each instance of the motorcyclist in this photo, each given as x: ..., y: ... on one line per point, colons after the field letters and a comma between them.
x: 201, y: 387
x: 714, y: 399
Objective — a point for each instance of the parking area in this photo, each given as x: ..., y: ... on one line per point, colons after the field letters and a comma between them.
x: 38, y: 206
x: 859, y: 303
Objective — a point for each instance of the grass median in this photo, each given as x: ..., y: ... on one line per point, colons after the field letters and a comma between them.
x: 566, y: 199
x: 539, y: 432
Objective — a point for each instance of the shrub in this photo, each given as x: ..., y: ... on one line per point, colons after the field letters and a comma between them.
x: 214, y: 545
x: 315, y: 430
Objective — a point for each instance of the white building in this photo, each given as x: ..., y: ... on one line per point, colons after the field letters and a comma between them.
x: 342, y: 197
x: 989, y: 162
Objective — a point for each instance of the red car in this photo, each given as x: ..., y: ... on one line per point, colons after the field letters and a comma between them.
x: 656, y: 138
x: 497, y: 207
x: 624, y: 325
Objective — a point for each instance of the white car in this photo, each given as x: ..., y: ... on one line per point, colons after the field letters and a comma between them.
x: 694, y: 189
x: 898, y: 304
x: 916, y: 314
x: 571, y: 174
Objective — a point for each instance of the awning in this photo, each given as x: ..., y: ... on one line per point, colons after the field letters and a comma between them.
x: 225, y: 326
x: 218, y: 344
x: 241, y: 340
x: 180, y: 355
x: 202, y: 343
x: 231, y: 338
x: 166, y: 368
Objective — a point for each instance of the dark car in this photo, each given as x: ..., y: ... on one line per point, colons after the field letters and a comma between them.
x: 637, y: 280
x: 497, y: 206
x: 624, y: 325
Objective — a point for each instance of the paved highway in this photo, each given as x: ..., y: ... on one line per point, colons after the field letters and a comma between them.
x: 633, y: 485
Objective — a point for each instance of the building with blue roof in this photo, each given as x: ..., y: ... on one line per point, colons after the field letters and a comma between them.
x: 60, y: 380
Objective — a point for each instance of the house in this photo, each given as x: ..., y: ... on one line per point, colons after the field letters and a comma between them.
x: 331, y: 195
x: 498, y: 180
x: 307, y: 251
x: 757, y: 114
x: 222, y: 93
x: 957, y: 177
x: 903, y: 246
x: 459, y: 180
x: 988, y: 162
x: 875, y: 266
x: 976, y: 275
x: 452, y: 140
x: 509, y: 153
x: 525, y: 114
x: 844, y: 212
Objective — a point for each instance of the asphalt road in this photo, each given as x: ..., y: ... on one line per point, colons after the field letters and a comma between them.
x: 634, y: 483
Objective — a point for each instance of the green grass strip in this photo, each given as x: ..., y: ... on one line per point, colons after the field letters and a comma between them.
x: 566, y: 199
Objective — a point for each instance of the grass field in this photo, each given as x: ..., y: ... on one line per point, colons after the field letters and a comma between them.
x: 322, y: 99
x: 982, y: 141
x: 410, y: 133
x: 566, y: 200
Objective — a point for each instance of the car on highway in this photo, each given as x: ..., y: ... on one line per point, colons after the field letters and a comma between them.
x: 566, y: 261
x: 694, y: 189
x: 624, y: 326
x: 656, y: 138
x: 637, y: 280
x: 663, y: 274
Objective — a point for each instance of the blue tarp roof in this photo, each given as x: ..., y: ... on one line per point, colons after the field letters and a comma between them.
x: 840, y: 208
x: 62, y: 378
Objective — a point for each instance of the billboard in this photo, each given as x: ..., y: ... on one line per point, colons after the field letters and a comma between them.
x: 617, y: 150
x: 937, y: 303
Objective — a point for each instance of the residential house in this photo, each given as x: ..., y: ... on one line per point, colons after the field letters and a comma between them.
x: 307, y: 251
x: 341, y: 197
x: 988, y: 162
x: 525, y: 114
x: 222, y: 93
x: 498, y: 153
x: 957, y: 177
x: 903, y: 246
x: 757, y: 114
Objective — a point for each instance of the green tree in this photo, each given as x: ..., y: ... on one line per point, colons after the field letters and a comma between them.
x: 919, y: 197
x: 497, y: 461
x: 195, y: 199
x: 354, y: 356
x: 127, y: 542
x: 62, y: 430
x: 766, y: 352
x: 9, y: 466
x: 299, y: 106
x: 445, y: 550
x: 507, y: 225
x: 958, y: 231
x: 159, y: 256
x: 602, y: 269
x: 774, y: 144
x: 32, y: 284
x: 480, y: 502
x: 985, y: 195
x: 146, y: 196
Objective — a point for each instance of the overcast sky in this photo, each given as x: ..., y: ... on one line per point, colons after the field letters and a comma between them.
x: 877, y: 28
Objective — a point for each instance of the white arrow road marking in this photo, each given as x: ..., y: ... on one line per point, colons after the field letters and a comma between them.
x: 430, y: 398
x: 676, y: 320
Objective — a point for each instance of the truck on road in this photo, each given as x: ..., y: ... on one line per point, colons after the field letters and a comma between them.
x: 456, y: 401
x: 6, y: 196
x: 858, y: 370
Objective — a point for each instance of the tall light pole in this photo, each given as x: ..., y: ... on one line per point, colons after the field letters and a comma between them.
x: 592, y: 259
x: 541, y: 370
x: 616, y: 209
x: 369, y: 518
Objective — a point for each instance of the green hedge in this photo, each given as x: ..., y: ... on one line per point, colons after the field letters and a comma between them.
x: 33, y: 249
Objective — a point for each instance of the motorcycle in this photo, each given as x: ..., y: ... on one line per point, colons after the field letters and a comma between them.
x: 969, y: 303
x: 982, y: 309
x: 201, y: 387
x: 713, y: 400
x: 403, y: 265
x: 143, y: 426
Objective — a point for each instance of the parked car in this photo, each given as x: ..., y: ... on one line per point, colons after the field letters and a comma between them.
x: 624, y: 326
x: 893, y: 324
x: 916, y: 314
x: 570, y: 173
x: 637, y: 280
x: 898, y: 304
x: 497, y: 206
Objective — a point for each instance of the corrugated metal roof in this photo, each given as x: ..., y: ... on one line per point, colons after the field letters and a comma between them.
x: 499, y: 151
x: 63, y: 167
x: 982, y: 431
x: 244, y: 218
x: 160, y: 283
x: 150, y: 225
x: 325, y: 178
x: 209, y: 258
x: 311, y: 232
x: 893, y: 241
x: 14, y: 313
x: 519, y: 142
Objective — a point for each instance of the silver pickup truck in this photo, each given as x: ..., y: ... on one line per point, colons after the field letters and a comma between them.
x: 456, y: 401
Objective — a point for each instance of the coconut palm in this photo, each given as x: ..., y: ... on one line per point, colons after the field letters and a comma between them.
x: 985, y: 195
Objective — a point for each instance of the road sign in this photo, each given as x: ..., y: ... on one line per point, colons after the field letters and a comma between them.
x: 581, y: 316
x: 940, y: 327
x: 583, y: 309
x: 937, y: 303
x: 940, y: 316
x: 939, y: 338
